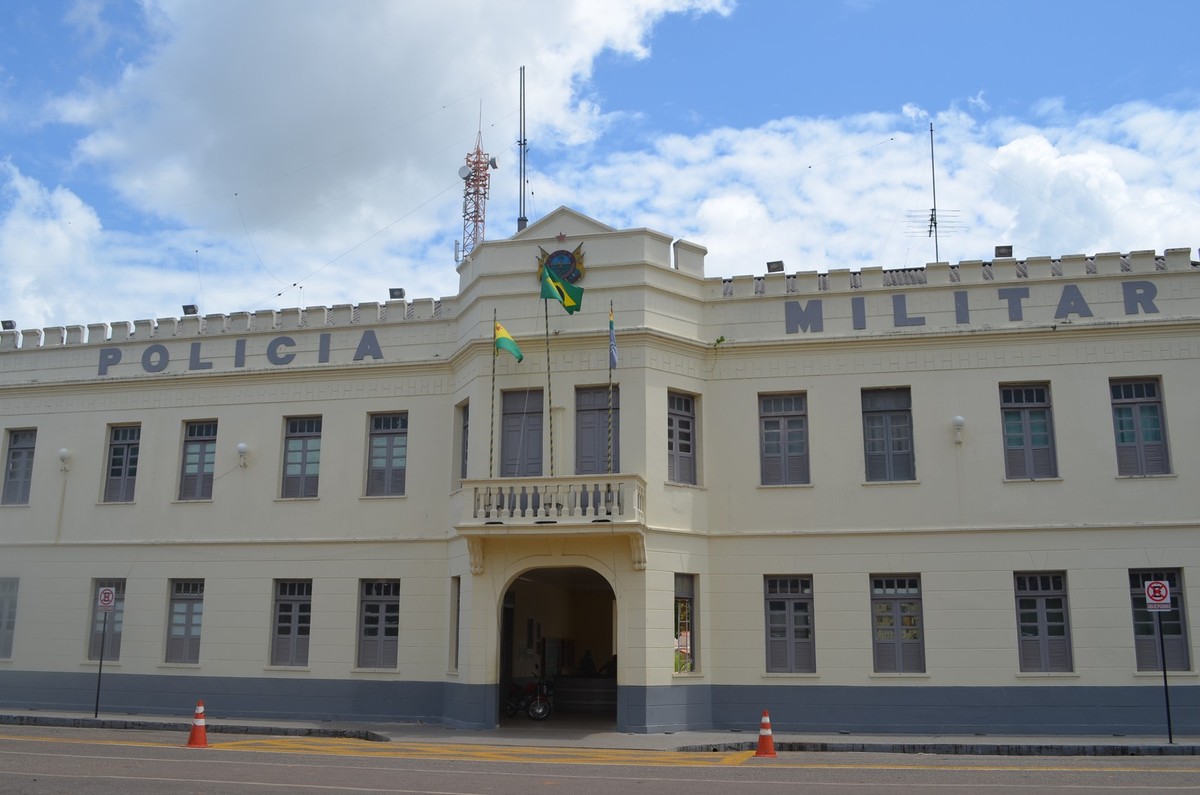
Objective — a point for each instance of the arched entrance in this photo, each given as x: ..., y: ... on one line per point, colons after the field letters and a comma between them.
x: 563, y: 621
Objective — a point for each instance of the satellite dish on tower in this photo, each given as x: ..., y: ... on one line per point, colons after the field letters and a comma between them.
x: 464, y: 172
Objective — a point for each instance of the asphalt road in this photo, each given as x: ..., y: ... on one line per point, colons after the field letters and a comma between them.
x: 47, y: 761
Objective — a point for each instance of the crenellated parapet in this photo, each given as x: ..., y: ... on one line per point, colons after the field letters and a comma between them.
x: 216, y: 325
x: 966, y: 272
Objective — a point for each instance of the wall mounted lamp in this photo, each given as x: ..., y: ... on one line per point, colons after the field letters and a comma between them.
x: 64, y: 460
x: 242, y: 449
x: 958, y: 423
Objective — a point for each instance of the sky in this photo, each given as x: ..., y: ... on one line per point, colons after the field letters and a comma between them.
x: 252, y: 154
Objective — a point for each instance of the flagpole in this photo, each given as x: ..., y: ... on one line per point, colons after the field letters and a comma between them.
x: 492, y: 437
x: 549, y: 395
x: 610, y: 369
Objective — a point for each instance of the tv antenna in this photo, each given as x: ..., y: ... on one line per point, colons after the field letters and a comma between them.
x: 476, y: 181
x: 928, y: 225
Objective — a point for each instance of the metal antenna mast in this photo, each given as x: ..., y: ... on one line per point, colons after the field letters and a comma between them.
x: 932, y: 224
x: 476, y: 182
x: 933, y: 230
x: 522, y: 221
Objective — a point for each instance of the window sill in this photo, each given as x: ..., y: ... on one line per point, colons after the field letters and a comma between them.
x: 370, y: 497
x: 192, y: 502
x: 302, y: 669
x: 297, y: 499
x: 676, y: 484
x: 791, y: 675
x: 891, y: 483
x: 15, y: 505
x: 770, y: 486
x: 96, y: 663
x: 178, y: 665
x: 1170, y: 675
x: 688, y: 675
x: 899, y: 675
x: 390, y: 671
x: 1047, y: 674
x: 1162, y: 476
x: 1032, y: 480
x: 106, y: 503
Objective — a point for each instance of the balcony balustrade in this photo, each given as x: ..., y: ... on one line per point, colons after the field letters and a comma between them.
x: 619, y: 499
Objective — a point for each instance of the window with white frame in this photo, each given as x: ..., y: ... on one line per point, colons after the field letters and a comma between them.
x: 107, y: 625
x: 1146, y: 623
x: 387, y: 454
x: 301, y: 457
x: 686, y: 647
x: 1043, y: 628
x: 18, y: 467
x: 293, y: 622
x: 378, y: 623
x: 783, y: 439
x: 899, y: 637
x: 199, y: 458
x: 1139, y: 424
x: 186, y: 614
x: 681, y: 438
x: 888, y: 434
x: 8, y: 615
x: 1028, y: 432
x: 791, y: 647
x: 124, y: 442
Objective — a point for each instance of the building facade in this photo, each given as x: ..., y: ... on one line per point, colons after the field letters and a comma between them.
x: 923, y: 500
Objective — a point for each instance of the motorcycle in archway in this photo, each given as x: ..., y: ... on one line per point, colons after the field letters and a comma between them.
x: 535, y: 699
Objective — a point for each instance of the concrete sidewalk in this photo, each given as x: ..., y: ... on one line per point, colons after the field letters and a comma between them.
x: 579, y: 731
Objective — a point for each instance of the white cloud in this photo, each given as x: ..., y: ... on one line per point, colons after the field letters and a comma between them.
x: 286, y: 153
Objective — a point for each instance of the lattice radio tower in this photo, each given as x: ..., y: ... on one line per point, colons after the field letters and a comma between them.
x: 476, y: 181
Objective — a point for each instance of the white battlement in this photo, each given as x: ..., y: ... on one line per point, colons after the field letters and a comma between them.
x: 262, y: 320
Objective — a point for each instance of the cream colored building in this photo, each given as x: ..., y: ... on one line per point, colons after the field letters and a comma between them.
x: 918, y: 500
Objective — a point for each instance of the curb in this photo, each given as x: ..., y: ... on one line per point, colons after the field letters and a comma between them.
x: 961, y: 749
x: 146, y: 725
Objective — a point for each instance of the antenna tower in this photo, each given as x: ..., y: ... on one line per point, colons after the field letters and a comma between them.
x: 522, y: 144
x: 476, y: 181
x: 927, y: 225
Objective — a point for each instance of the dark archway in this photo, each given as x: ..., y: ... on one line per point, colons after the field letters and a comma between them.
x: 552, y: 618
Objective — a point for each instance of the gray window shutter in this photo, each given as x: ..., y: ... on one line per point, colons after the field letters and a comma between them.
x: 1127, y: 460
x: 521, y: 434
x: 886, y: 660
x: 592, y: 433
x: 777, y: 636
x: 1044, y: 465
x: 1155, y: 456
x: 1014, y: 464
x: 912, y: 656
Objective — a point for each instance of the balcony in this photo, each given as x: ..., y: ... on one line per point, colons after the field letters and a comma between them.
x: 573, y: 506
x: 574, y: 499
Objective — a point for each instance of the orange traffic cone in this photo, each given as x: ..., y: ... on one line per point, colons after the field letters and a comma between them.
x: 199, y: 736
x: 766, y: 742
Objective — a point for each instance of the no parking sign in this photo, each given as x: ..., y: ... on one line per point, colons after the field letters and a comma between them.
x: 1158, y: 595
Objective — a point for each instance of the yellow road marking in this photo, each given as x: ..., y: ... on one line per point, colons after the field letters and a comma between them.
x: 340, y: 746
x: 486, y: 753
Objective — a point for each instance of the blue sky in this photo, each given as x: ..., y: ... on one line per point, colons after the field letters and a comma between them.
x: 246, y: 155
